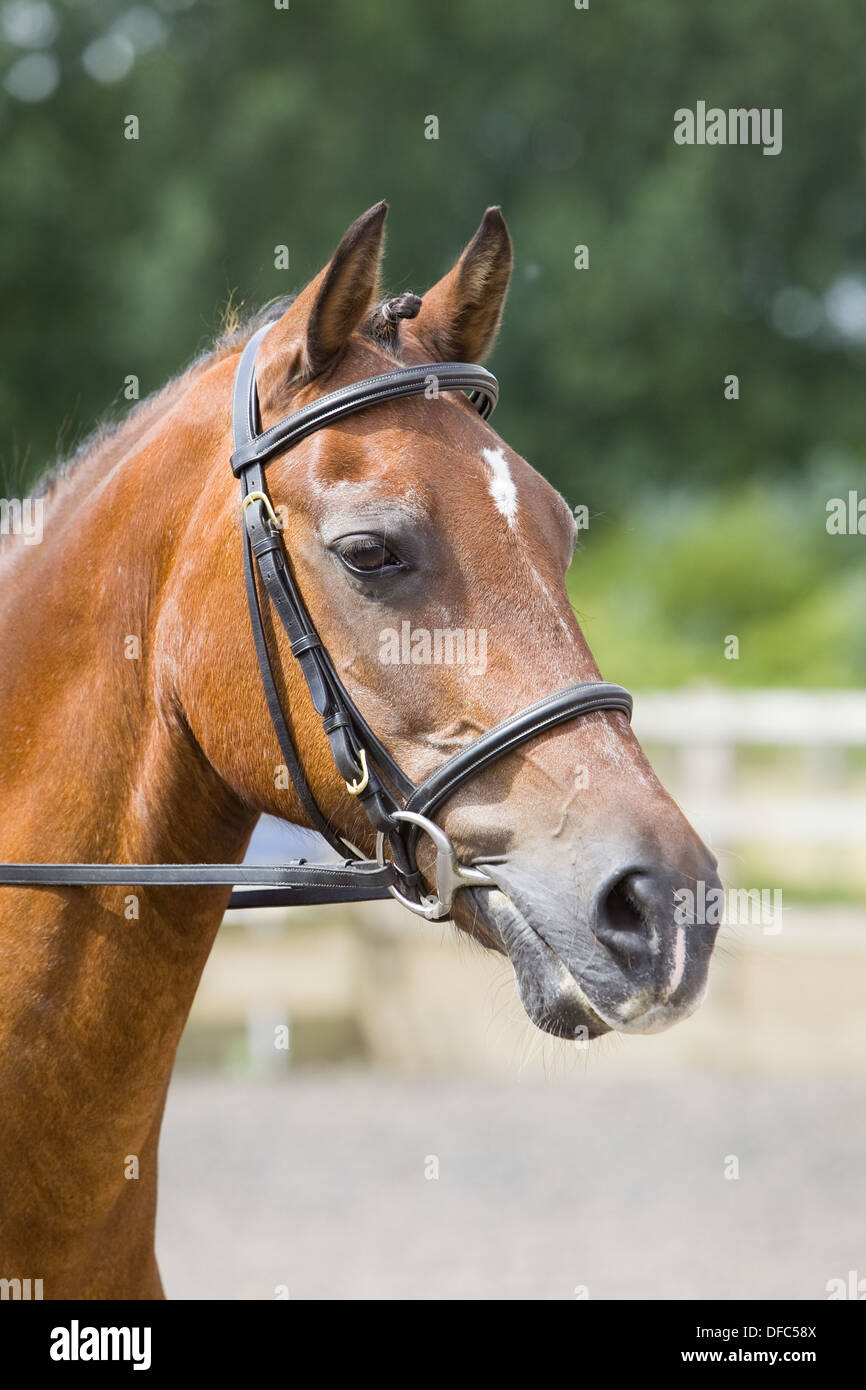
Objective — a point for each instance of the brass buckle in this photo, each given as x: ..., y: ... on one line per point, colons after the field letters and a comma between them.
x: 267, y: 504
x: 355, y: 788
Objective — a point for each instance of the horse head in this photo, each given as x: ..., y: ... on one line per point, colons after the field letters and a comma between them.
x: 432, y: 560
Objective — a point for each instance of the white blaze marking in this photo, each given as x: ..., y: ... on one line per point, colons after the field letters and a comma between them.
x: 679, y: 959
x: 501, y: 484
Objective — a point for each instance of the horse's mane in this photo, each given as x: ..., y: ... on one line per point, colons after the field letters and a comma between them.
x: 111, y: 438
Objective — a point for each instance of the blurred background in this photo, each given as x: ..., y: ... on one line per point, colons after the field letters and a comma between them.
x: 418, y: 1138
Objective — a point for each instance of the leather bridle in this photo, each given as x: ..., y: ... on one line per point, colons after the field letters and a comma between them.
x: 398, y: 810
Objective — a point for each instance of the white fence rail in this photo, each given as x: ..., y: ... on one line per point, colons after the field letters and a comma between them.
x: 707, y: 727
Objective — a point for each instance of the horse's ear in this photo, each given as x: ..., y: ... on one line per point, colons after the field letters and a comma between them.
x: 319, y: 321
x: 459, y: 317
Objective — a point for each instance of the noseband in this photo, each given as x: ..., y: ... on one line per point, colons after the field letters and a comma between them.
x: 398, y: 810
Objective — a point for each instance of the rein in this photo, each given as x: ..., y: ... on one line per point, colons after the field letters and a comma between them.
x: 398, y: 810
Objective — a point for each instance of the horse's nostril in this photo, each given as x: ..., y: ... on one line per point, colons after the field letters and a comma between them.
x: 622, y: 924
x: 622, y: 907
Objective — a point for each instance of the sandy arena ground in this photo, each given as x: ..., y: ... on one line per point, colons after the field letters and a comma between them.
x: 318, y: 1184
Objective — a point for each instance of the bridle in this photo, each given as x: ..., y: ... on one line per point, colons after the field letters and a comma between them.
x: 398, y: 810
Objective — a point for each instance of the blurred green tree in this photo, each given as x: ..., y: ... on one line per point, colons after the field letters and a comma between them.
x: 261, y: 127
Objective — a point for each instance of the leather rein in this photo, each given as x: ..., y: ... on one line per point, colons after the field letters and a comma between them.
x: 398, y: 810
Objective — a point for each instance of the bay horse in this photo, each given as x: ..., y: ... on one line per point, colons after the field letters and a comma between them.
x: 135, y: 729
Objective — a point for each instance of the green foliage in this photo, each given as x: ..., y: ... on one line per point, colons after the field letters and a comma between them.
x: 659, y: 593
x: 261, y: 126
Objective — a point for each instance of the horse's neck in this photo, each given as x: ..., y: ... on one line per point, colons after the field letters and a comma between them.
x: 98, y: 762
x: 97, y: 765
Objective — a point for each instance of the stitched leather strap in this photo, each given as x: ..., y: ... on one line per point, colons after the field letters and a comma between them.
x: 295, y: 884
x: 347, y: 731
x: 297, y: 873
x: 245, y: 421
x: 569, y: 703
x: 480, y: 385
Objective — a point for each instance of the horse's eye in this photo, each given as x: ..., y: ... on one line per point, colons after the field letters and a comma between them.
x: 369, y: 555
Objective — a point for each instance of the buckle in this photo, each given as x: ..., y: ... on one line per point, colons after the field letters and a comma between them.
x: 358, y: 785
x: 449, y: 873
x: 266, y: 503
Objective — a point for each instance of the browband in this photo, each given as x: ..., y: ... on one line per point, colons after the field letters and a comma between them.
x: 428, y: 379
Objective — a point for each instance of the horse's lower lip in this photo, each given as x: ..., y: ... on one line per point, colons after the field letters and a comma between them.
x: 659, y: 1017
x: 570, y: 1008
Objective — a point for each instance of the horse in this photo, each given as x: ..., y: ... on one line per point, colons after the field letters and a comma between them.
x: 136, y: 729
